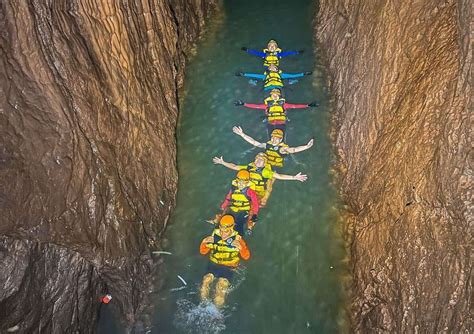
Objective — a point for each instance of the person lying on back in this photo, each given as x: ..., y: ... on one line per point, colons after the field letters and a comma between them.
x: 273, y: 77
x: 275, y: 108
x: 272, y: 54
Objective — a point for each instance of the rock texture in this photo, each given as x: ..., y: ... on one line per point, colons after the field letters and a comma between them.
x: 87, y: 157
x: 401, y: 75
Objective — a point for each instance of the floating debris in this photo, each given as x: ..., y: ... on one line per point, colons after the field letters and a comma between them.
x: 162, y: 252
x: 182, y: 280
x: 106, y: 299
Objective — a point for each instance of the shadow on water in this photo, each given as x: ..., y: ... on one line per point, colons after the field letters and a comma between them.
x: 292, y: 282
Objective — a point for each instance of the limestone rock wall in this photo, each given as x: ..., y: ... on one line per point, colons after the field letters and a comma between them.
x: 88, y: 98
x: 401, y: 75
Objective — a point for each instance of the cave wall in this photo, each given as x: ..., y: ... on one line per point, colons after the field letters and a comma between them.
x: 400, y: 73
x: 88, y: 153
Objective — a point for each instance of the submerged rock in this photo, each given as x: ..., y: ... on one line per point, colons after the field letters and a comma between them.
x: 88, y: 153
x: 400, y: 74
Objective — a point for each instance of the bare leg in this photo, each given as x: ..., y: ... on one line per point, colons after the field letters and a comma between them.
x: 221, y: 290
x: 206, y: 286
x: 268, y: 191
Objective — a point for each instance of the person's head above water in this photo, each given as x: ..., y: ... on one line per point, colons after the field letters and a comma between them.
x: 243, y: 179
x: 275, y: 94
x: 260, y: 160
x: 272, y: 45
x: 277, y: 136
x: 226, y: 223
x: 273, y: 68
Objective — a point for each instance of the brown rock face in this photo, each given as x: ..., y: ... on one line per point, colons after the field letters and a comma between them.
x: 87, y: 156
x: 400, y: 72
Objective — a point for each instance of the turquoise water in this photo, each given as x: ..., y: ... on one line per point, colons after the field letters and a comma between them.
x: 291, y: 284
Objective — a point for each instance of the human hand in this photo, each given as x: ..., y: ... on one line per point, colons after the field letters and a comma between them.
x: 310, y: 143
x: 239, y: 103
x: 243, y: 48
x: 239, y: 74
x: 300, y: 51
x: 216, y: 219
x: 238, y: 130
x: 308, y: 72
x: 301, y: 177
x: 218, y: 160
x: 236, y: 244
x: 313, y: 104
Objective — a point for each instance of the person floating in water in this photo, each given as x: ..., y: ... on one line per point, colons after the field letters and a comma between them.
x: 242, y: 203
x: 273, y: 77
x: 272, y: 54
x: 275, y: 109
x: 260, y: 173
x: 225, y: 248
x: 275, y: 148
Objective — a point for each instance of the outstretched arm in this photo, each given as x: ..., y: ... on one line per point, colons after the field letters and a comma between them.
x: 254, y: 52
x: 297, y: 148
x: 294, y: 75
x: 250, y: 105
x: 298, y: 177
x: 255, y: 106
x: 220, y: 161
x: 289, y: 53
x: 253, y: 75
x: 295, y: 106
x: 238, y: 131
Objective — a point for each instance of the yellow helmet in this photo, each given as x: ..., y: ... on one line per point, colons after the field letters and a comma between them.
x: 226, y: 221
x: 275, y: 91
x: 277, y: 133
x: 243, y: 175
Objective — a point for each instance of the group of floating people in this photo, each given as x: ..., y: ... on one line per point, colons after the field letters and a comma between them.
x: 250, y: 190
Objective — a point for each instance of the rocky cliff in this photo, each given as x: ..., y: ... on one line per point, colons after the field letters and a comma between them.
x: 400, y: 72
x: 87, y: 156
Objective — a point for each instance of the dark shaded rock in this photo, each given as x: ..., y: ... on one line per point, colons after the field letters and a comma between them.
x: 88, y: 156
x: 401, y: 76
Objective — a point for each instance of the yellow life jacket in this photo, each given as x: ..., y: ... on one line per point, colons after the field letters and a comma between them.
x: 239, y: 200
x: 275, y: 109
x: 271, y: 57
x: 257, y: 178
x: 275, y: 157
x: 224, y: 253
x: 273, y: 79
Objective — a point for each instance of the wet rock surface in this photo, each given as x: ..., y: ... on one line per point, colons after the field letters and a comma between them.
x: 88, y: 154
x: 401, y: 77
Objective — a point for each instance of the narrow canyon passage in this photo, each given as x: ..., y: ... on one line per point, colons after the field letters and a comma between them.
x: 292, y: 281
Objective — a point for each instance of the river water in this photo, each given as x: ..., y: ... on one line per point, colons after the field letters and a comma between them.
x: 292, y: 282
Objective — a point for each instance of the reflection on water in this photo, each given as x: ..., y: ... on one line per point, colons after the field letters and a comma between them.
x: 291, y: 284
